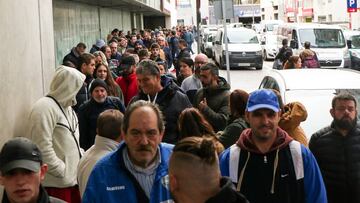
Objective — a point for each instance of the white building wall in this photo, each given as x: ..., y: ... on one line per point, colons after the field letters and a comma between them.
x: 27, y: 61
x: 335, y: 11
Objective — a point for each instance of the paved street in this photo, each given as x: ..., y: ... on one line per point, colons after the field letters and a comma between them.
x: 247, y: 79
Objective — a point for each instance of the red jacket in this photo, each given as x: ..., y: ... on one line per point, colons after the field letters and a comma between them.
x: 129, y: 86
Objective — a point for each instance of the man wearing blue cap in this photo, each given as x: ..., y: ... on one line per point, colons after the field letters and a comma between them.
x: 266, y: 164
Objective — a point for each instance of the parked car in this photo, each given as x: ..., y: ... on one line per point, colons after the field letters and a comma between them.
x: 208, y: 44
x: 269, y: 46
x: 353, y: 41
x: 326, y: 40
x: 243, y: 47
x: 314, y: 88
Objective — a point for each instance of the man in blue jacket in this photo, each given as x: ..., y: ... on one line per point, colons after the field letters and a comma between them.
x: 266, y: 164
x: 138, y: 170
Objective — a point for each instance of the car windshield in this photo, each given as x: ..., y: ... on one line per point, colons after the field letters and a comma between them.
x: 243, y: 37
x: 322, y: 38
x: 355, y: 42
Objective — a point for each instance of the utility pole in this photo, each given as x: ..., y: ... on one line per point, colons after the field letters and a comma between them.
x: 253, y: 12
x: 226, y: 43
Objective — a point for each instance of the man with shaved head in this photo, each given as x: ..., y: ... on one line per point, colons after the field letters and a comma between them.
x: 194, y: 174
x: 191, y: 84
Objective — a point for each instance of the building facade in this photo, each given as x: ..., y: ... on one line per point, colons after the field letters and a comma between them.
x: 311, y: 11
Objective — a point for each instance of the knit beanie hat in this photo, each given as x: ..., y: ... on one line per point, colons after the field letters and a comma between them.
x: 98, y: 82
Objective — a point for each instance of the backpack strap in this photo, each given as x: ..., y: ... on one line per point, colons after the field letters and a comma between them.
x: 295, y: 149
x: 72, y: 131
x: 234, y: 162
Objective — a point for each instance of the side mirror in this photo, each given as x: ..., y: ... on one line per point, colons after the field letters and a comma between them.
x: 262, y: 42
x: 348, y: 42
x: 294, y: 44
x: 264, y: 30
x: 217, y: 42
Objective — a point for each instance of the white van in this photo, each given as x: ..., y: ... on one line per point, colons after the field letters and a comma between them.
x: 326, y: 40
x: 244, y: 48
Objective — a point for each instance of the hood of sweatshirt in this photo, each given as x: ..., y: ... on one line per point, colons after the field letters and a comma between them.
x: 245, y: 141
x: 65, y: 84
x: 294, y: 113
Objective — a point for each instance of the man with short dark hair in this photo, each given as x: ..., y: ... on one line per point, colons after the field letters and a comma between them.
x: 174, y: 44
x: 108, y: 128
x: 337, y: 150
x: 90, y: 110
x: 75, y: 53
x: 21, y: 172
x: 163, y: 91
x: 184, y: 52
x: 194, y: 174
x: 137, y: 170
x: 115, y: 55
x: 132, y: 41
x: 266, y: 164
x: 213, y: 98
x: 87, y: 67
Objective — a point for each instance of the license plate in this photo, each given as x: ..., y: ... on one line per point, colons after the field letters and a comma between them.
x: 243, y: 64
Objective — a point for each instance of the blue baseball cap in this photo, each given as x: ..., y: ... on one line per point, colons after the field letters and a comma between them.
x: 263, y: 99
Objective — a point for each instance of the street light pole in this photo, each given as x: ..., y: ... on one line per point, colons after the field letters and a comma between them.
x: 253, y: 12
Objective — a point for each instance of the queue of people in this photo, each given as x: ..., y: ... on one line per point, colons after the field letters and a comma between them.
x: 286, y: 60
x: 142, y: 133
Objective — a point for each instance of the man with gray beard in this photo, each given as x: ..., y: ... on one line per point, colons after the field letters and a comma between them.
x: 337, y: 151
x: 90, y: 111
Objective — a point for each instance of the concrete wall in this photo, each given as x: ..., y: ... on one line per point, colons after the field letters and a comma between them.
x: 76, y: 22
x: 27, y: 61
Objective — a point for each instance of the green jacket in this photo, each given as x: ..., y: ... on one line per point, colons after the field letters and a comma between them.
x: 232, y: 132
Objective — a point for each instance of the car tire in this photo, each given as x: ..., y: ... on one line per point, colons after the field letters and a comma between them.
x: 222, y: 65
x: 259, y: 67
x: 265, y: 56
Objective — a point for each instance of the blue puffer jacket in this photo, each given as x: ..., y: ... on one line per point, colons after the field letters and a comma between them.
x: 110, y: 181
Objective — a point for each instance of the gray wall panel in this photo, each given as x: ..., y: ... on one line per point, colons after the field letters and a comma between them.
x: 26, y: 60
x: 74, y: 23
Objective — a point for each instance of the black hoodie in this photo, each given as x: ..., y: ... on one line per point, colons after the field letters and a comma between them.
x: 227, y: 193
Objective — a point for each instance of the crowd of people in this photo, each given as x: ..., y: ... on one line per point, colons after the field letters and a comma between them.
x: 286, y: 60
x: 139, y: 119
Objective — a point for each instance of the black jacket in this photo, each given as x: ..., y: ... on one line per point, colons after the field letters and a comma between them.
x: 73, y: 57
x: 227, y: 193
x: 83, y: 95
x: 339, y: 161
x: 217, y: 99
x: 88, y: 114
x: 43, y: 197
x: 172, y: 101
